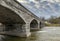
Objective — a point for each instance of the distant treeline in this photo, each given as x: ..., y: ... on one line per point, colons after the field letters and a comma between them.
x: 54, y: 20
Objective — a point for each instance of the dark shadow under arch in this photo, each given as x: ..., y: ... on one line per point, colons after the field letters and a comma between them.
x: 41, y: 24
x: 9, y: 18
x: 34, y: 24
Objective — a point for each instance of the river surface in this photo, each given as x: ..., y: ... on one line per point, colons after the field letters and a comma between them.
x: 45, y: 34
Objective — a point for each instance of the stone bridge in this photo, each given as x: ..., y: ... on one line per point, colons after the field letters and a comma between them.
x: 17, y: 20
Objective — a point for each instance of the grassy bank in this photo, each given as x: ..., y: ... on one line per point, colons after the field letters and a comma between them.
x: 52, y: 24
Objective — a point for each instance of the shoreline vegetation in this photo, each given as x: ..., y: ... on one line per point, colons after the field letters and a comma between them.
x: 52, y: 25
x: 53, y: 21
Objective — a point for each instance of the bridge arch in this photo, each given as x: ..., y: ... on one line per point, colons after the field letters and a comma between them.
x: 10, y: 19
x: 34, y: 24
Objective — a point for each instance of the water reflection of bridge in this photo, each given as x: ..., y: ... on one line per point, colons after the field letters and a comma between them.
x: 16, y: 20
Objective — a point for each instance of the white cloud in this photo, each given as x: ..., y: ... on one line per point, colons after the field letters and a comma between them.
x: 53, y: 9
x: 51, y: 0
x: 57, y: 0
x: 37, y: 6
x: 36, y: 3
x: 33, y: 1
x: 48, y: 1
x: 22, y: 1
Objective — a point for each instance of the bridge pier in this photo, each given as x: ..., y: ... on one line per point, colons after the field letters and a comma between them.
x: 41, y: 24
x: 20, y: 30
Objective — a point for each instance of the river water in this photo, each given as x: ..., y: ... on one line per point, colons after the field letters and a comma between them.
x: 45, y: 34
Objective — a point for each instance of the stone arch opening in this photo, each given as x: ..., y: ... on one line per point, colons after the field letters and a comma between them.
x: 34, y: 24
x: 10, y: 19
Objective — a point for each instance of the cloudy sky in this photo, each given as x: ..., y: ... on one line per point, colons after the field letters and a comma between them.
x: 43, y: 8
x: 43, y: 0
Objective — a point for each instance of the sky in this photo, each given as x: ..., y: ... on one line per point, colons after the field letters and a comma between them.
x: 41, y: 0
x: 44, y: 10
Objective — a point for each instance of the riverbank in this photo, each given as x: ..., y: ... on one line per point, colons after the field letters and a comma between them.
x: 56, y: 25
